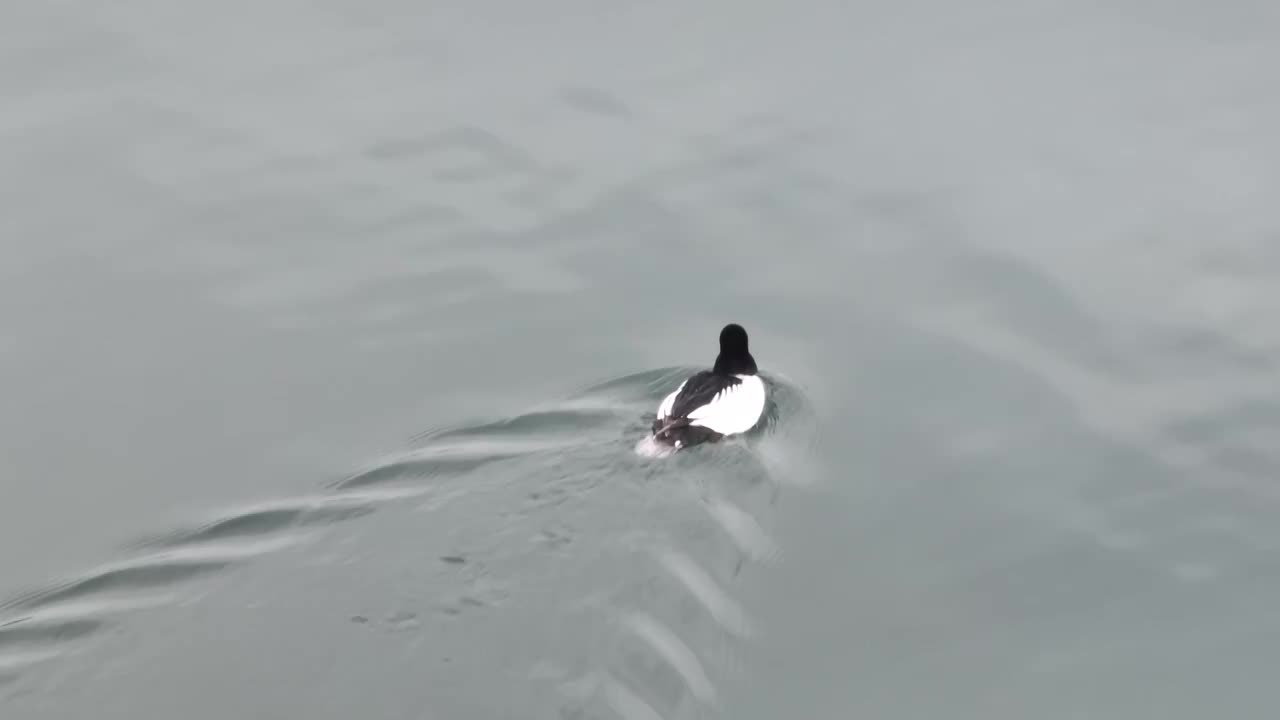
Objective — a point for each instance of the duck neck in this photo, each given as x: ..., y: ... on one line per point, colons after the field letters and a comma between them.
x: 735, y: 363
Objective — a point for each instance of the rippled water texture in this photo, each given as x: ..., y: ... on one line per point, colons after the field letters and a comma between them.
x: 328, y: 331
x: 489, y: 522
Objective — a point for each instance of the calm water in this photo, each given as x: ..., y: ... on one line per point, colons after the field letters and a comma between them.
x: 328, y: 329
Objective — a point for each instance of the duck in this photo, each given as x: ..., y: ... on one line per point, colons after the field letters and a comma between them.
x: 710, y: 405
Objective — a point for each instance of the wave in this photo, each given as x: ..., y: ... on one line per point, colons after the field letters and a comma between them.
x: 39, y: 627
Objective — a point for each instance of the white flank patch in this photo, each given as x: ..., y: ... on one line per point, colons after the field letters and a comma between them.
x: 734, y: 410
x: 669, y: 402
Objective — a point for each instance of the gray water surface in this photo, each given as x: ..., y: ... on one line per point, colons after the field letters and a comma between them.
x: 327, y: 331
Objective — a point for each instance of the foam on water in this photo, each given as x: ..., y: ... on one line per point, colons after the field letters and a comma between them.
x: 649, y: 447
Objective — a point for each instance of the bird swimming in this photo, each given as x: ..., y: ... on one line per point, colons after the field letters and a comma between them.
x: 728, y: 399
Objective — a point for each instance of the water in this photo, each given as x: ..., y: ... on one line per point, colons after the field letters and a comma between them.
x: 329, y: 329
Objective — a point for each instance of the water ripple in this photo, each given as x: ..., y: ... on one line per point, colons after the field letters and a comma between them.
x: 680, y: 657
x: 680, y: 636
x: 727, y: 613
x: 162, y: 568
